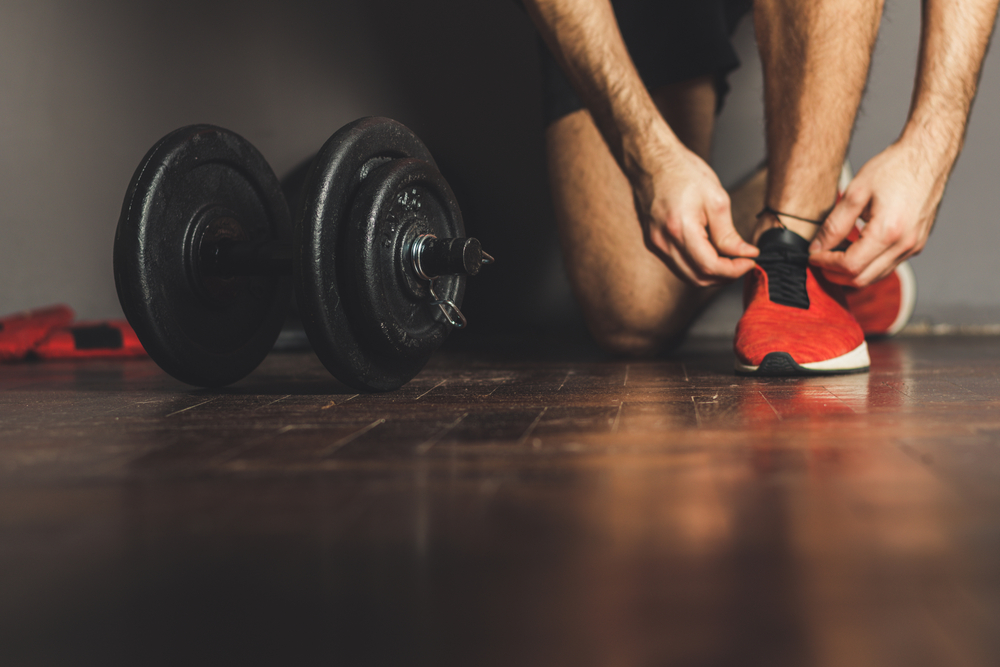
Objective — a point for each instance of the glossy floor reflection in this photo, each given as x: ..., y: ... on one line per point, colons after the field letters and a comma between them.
x: 506, y: 509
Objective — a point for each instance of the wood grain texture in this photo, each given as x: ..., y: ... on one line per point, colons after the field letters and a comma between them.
x: 504, y: 508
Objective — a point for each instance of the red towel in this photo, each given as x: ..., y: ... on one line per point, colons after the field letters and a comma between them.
x: 113, y: 338
x: 21, y: 332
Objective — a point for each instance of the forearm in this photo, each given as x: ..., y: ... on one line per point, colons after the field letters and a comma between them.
x: 583, y: 36
x: 899, y: 190
x: 954, y: 38
x: 683, y: 210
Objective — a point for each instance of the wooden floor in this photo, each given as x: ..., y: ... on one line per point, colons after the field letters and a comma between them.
x: 506, y: 509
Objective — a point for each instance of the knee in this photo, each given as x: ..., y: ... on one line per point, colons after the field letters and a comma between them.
x: 631, y: 343
x: 635, y: 334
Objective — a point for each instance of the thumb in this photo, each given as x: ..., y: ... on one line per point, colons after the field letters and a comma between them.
x: 727, y: 240
x: 842, y: 219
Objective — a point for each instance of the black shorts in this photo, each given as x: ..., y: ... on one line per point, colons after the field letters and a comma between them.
x: 669, y: 41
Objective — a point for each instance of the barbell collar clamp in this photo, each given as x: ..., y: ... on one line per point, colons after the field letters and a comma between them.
x: 432, y: 257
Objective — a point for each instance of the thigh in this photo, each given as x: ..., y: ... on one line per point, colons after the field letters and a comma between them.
x: 632, y: 302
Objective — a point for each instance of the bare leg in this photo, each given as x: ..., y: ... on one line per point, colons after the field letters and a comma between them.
x: 816, y: 57
x: 632, y: 302
x: 746, y: 200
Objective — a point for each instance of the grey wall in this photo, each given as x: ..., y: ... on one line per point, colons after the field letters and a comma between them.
x: 87, y: 88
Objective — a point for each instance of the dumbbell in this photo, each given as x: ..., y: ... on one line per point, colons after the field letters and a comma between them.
x: 206, y: 256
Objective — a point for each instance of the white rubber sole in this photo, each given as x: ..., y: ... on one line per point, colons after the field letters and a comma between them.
x: 907, y: 297
x: 855, y: 361
x: 846, y: 174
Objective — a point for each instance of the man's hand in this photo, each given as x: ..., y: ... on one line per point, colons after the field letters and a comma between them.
x: 898, y: 191
x: 684, y: 211
x: 897, y: 194
x: 687, y: 220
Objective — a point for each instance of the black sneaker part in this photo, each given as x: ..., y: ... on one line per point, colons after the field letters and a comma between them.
x: 781, y: 364
x: 784, y: 256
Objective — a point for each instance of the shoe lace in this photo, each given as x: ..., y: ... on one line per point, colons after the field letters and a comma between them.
x: 786, y: 276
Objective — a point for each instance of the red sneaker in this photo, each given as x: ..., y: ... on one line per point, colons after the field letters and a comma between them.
x: 883, y: 308
x: 795, y: 322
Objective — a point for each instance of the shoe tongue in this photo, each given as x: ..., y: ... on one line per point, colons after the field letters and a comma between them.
x: 784, y: 256
x: 780, y: 238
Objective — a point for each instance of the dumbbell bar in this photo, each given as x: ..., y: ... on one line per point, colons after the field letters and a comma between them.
x: 430, y: 257
x: 206, y: 255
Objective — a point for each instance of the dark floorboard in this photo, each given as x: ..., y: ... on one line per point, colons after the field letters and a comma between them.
x: 506, y: 509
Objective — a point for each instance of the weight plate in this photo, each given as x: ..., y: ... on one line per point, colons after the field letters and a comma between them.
x: 322, y: 276
x: 388, y: 302
x: 197, y: 185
